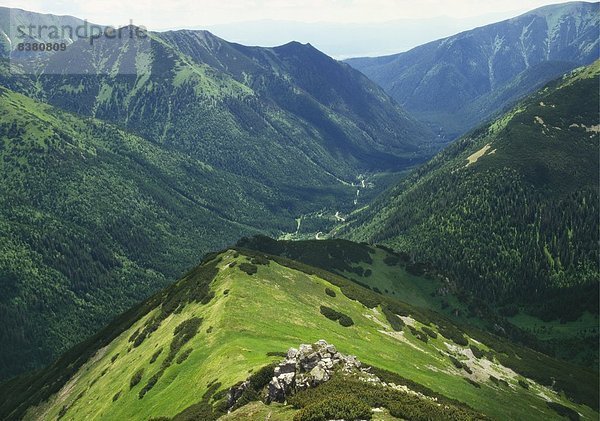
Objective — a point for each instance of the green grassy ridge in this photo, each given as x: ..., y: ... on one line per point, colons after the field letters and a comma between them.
x: 524, y: 210
x: 245, y: 325
x: 395, y: 275
x: 580, y: 383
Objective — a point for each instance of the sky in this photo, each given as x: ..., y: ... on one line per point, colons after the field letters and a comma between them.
x: 163, y: 14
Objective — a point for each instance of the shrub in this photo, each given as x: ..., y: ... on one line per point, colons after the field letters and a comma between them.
x: 368, y: 273
x: 134, y: 335
x: 418, y: 334
x: 391, y: 260
x: 563, y: 411
x: 114, y: 358
x: 155, y: 356
x: 393, y: 319
x: 523, y: 384
x: 260, y: 260
x: 198, y: 411
x: 209, y: 296
x: 335, y: 408
x: 136, y: 378
x: 456, y: 362
x: 478, y: 353
x: 473, y: 383
x: 257, y: 382
x: 276, y: 354
x: 429, y: 332
x: 185, y: 331
x: 116, y: 396
x: 452, y: 333
x: 400, y: 405
x: 248, y: 268
x: 226, y: 292
x: 330, y: 292
x: 346, y: 321
x: 183, y: 356
x: 331, y: 314
x: 151, y: 382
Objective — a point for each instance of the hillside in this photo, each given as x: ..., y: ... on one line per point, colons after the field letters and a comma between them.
x: 294, y: 101
x: 177, y: 355
x: 516, y: 204
x: 174, y: 147
x: 459, y: 82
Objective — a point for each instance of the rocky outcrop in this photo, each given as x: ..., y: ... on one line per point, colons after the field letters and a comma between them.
x: 308, y: 366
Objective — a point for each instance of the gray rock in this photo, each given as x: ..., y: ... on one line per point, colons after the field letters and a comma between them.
x: 292, y: 353
x: 308, y: 366
x: 319, y: 375
x: 327, y: 363
x: 305, y: 349
x: 276, y: 392
x: 288, y: 366
x: 310, y: 361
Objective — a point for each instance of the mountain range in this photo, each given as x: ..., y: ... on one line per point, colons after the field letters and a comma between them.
x: 367, y: 267
x: 456, y: 83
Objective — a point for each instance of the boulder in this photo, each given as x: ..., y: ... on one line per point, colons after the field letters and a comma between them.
x: 292, y: 353
x: 319, y: 375
x: 308, y: 366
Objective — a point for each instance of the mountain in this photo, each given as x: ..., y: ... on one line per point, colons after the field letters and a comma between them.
x: 515, y: 203
x: 357, y: 39
x: 125, y: 160
x: 172, y: 86
x: 184, y: 353
x: 459, y: 82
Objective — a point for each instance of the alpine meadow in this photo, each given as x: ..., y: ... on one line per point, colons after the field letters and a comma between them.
x: 194, y: 229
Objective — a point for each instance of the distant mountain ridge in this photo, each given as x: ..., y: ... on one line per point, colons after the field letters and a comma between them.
x: 458, y: 82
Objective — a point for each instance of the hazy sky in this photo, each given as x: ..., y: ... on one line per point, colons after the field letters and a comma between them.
x: 160, y: 14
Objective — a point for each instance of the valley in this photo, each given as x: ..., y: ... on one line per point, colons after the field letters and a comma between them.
x: 193, y: 229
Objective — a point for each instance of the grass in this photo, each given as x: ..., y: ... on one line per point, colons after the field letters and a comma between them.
x: 586, y: 325
x: 395, y: 281
x: 273, y: 310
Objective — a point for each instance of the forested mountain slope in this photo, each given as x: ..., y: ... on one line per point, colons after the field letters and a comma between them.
x: 459, y: 82
x: 510, y: 210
